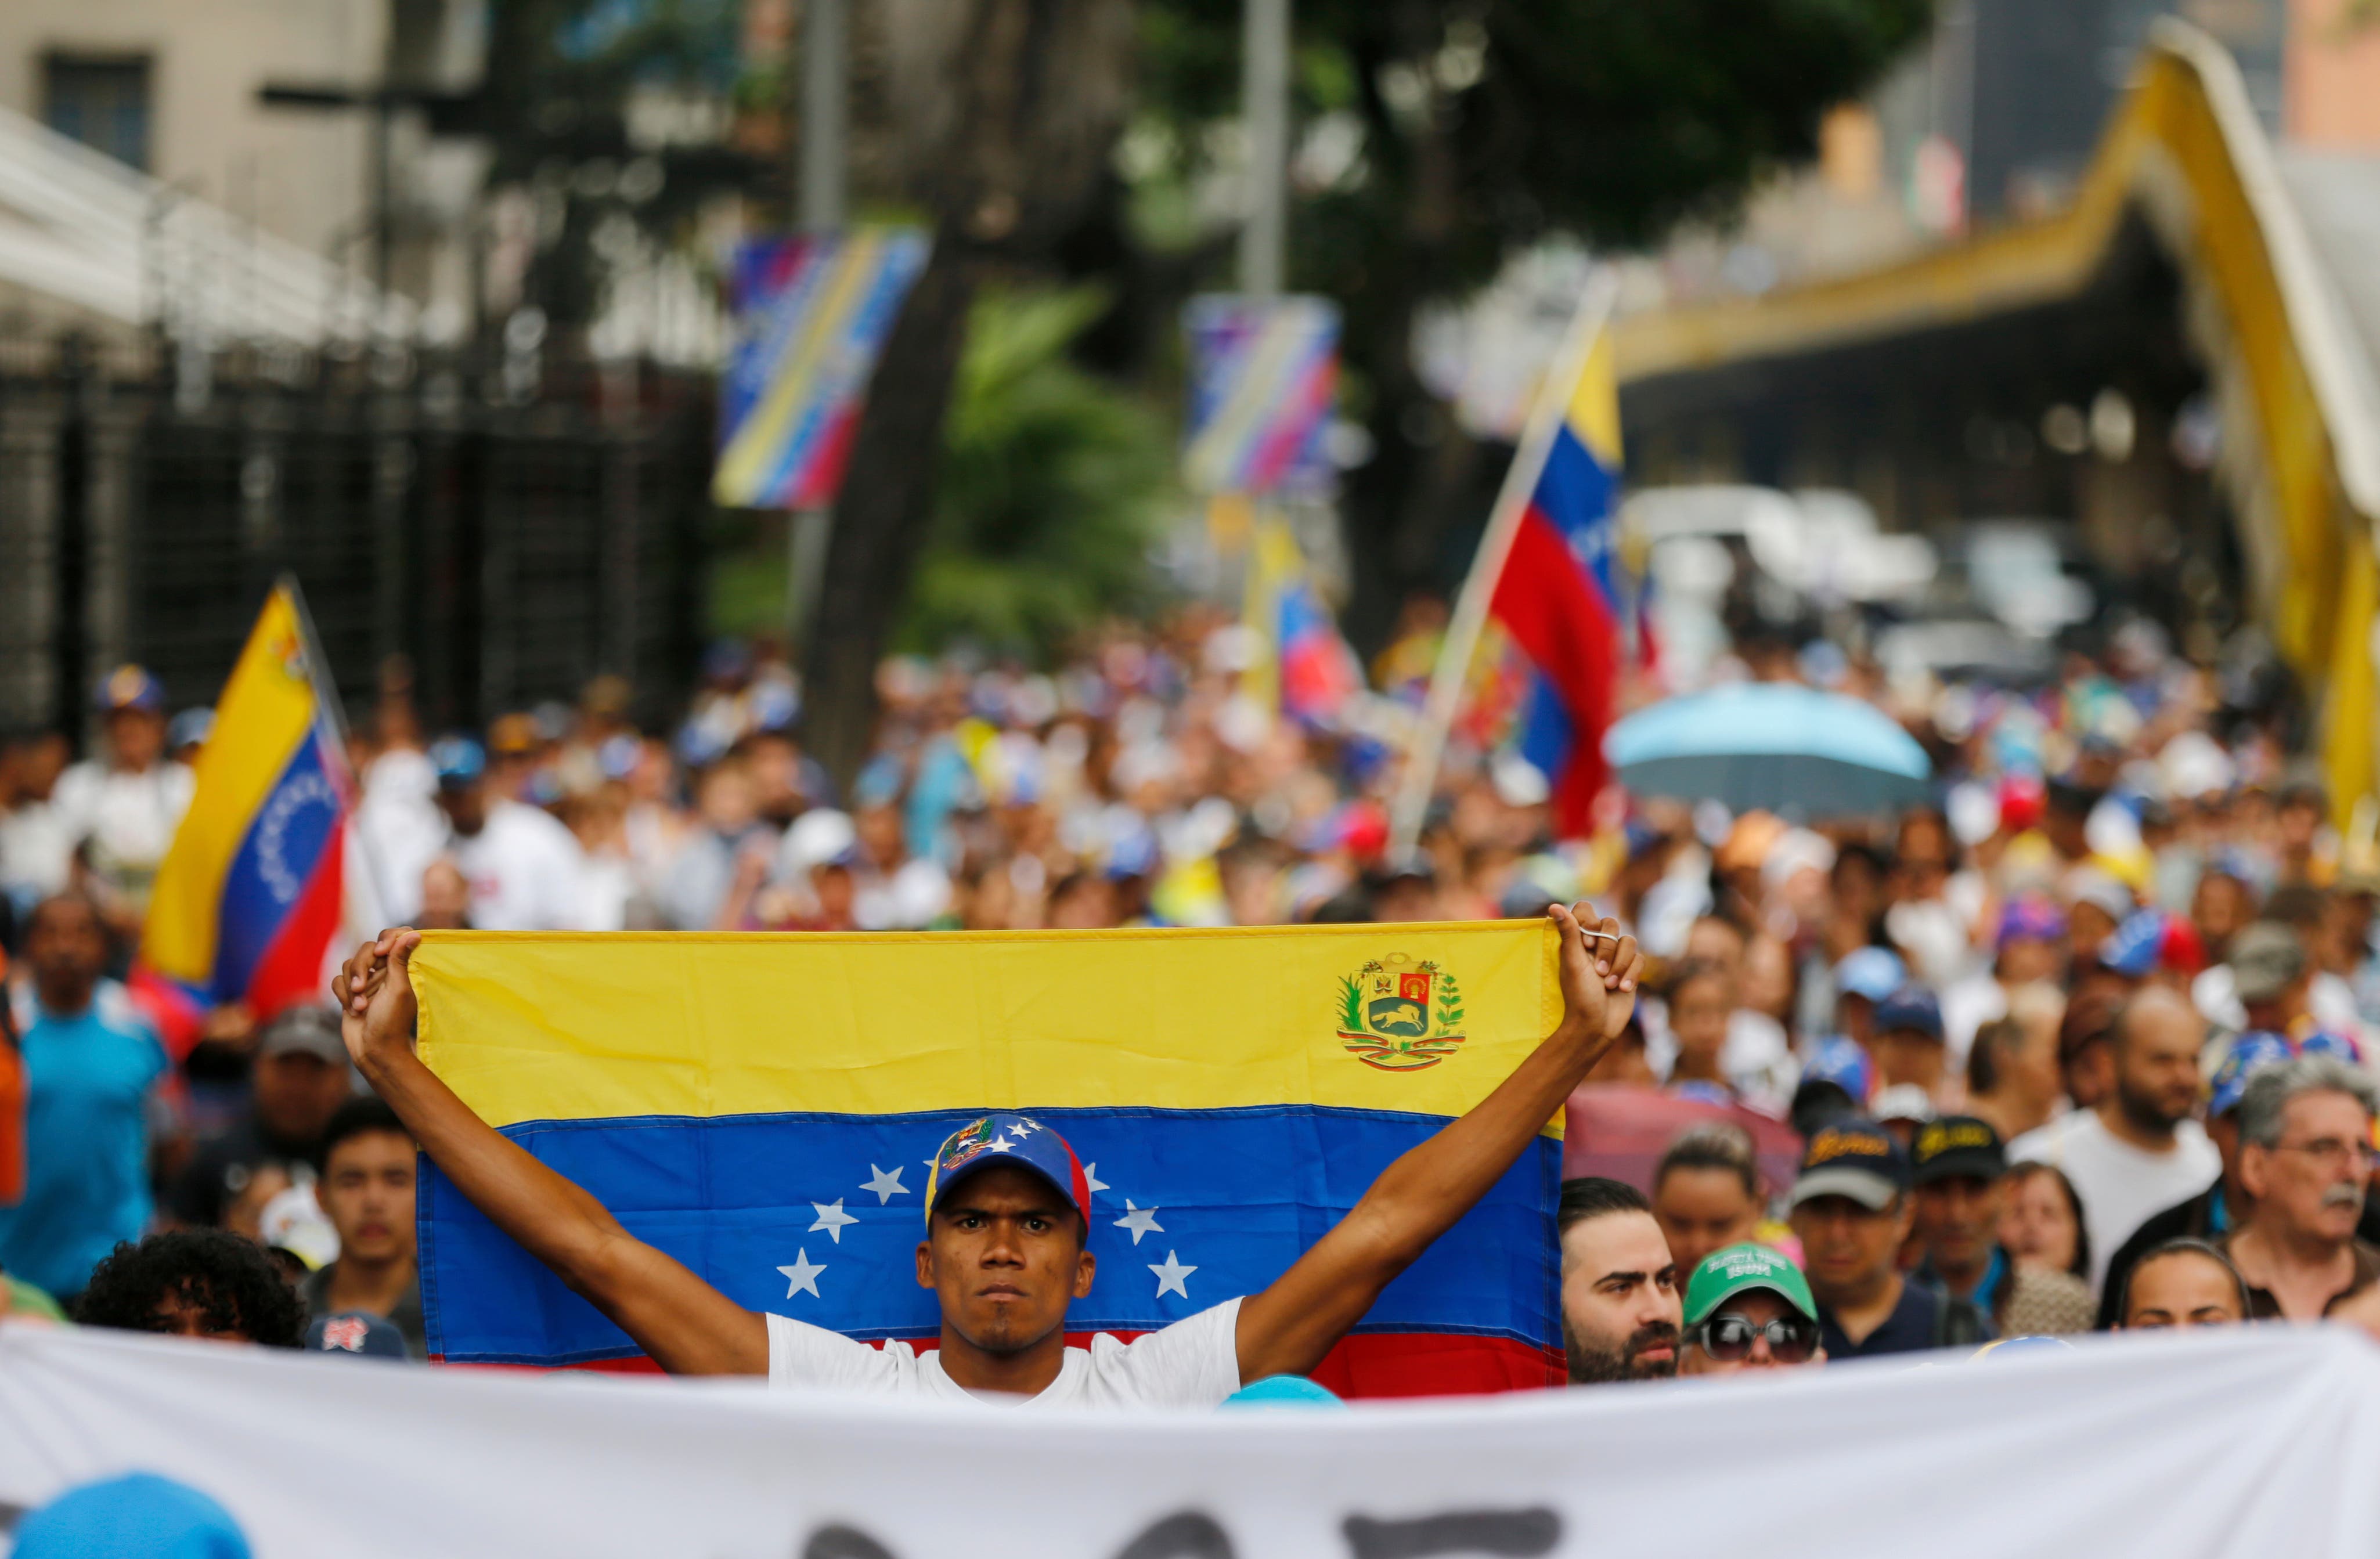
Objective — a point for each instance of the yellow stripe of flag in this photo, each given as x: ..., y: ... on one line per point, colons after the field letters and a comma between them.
x: 535, y: 1026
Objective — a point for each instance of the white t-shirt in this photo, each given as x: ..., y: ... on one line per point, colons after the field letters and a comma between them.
x: 2121, y: 1185
x: 129, y: 817
x: 523, y: 867
x: 1193, y: 1363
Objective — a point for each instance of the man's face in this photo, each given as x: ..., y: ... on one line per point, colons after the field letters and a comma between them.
x: 67, y: 950
x: 135, y: 737
x: 296, y: 1092
x: 2311, y: 1185
x: 1004, y: 1253
x: 1760, y: 1308
x: 1700, y: 1211
x: 2156, y: 1063
x: 466, y: 806
x: 2026, y: 959
x: 2182, y: 1289
x: 1958, y: 1220
x: 1621, y: 1306
x: 1848, y: 1248
x: 1907, y: 1055
x: 1698, y: 1014
x: 368, y: 1194
x: 2091, y: 1074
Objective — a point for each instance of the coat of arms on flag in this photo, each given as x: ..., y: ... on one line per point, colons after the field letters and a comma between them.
x: 1401, y: 1015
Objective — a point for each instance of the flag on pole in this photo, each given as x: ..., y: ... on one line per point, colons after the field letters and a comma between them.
x: 812, y: 315
x: 1556, y: 595
x: 1231, y: 1093
x: 250, y: 892
x: 1537, y: 628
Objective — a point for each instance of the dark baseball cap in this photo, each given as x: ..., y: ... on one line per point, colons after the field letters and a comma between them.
x: 1909, y: 1008
x: 1855, y: 1158
x: 1957, y: 1144
x: 357, y: 1333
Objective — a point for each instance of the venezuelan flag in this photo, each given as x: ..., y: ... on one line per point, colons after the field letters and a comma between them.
x: 765, y: 1109
x: 249, y: 894
x: 1556, y: 598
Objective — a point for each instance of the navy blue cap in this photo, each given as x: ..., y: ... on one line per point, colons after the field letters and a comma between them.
x: 459, y: 760
x: 1006, y: 1137
x: 1911, y: 1006
x: 1855, y: 1158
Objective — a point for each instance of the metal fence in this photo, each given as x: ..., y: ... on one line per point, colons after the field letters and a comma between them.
x: 511, y: 533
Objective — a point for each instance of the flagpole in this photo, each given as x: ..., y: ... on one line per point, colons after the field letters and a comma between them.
x: 1470, y: 619
x: 333, y: 717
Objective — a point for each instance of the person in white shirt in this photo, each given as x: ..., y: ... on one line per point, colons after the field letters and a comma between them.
x: 35, y: 854
x: 523, y: 866
x: 1005, y: 1248
x: 122, y: 808
x: 2140, y: 1150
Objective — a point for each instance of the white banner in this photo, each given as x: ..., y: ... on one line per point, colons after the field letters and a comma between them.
x: 2255, y: 1443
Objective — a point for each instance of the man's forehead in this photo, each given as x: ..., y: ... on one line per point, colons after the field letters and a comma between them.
x: 1004, y: 1187
x: 1622, y: 1241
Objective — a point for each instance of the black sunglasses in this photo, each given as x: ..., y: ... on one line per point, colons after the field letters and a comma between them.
x: 1729, y: 1338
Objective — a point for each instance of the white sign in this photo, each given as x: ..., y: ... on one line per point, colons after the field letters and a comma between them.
x: 2257, y: 1442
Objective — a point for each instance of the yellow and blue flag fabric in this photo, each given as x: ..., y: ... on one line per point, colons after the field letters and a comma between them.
x: 249, y: 894
x: 767, y: 1108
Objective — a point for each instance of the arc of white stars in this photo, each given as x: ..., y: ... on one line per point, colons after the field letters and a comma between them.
x: 803, y: 1275
x: 885, y: 1183
x: 831, y: 1219
x: 1140, y: 1220
x: 1171, y: 1275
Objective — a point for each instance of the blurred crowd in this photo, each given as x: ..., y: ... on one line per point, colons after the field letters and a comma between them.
x: 2099, y: 1020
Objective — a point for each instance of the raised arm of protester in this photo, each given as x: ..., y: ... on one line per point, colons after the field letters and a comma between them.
x: 688, y: 1327
x: 1287, y: 1328
x: 1005, y: 1248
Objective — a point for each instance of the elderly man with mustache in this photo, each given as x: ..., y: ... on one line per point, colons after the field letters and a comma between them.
x: 2305, y: 1155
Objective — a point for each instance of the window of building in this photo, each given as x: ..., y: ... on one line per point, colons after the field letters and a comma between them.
x: 102, y: 103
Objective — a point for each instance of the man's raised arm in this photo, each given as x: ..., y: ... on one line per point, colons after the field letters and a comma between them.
x: 687, y: 1326
x: 1288, y: 1328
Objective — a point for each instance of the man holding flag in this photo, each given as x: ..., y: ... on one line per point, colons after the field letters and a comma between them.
x: 1007, y: 1225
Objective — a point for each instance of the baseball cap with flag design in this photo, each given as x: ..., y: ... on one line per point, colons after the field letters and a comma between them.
x: 1019, y: 1140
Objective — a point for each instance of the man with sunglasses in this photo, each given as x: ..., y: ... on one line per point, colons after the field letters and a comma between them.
x: 1748, y: 1307
x: 2305, y: 1155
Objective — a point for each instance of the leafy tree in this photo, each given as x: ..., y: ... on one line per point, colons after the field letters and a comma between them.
x: 1051, y: 489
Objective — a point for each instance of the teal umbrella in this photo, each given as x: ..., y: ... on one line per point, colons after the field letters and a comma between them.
x: 1771, y: 746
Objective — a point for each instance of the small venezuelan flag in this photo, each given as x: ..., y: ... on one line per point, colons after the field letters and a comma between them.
x: 249, y: 894
x: 1557, y: 598
x: 767, y: 1109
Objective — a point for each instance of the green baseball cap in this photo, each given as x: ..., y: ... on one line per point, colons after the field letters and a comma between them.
x: 1739, y: 1269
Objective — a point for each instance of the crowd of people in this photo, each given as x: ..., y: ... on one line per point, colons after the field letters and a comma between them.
x: 2088, y: 1042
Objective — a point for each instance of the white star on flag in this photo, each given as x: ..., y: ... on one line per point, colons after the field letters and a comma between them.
x: 1169, y: 1276
x: 1091, y: 1182
x: 832, y: 1219
x: 1140, y: 1220
x: 886, y: 1184
x: 803, y: 1275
